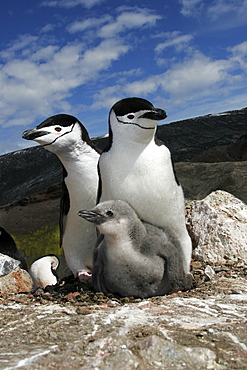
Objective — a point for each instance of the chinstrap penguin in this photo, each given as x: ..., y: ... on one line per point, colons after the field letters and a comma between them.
x: 65, y: 136
x: 137, y: 168
x: 42, y: 271
x: 134, y: 258
x: 8, y: 247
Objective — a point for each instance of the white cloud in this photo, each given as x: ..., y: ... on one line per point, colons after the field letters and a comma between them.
x: 80, y: 26
x: 39, y: 74
x: 174, y: 39
x: 197, y: 80
x: 23, y: 44
x: 100, y: 57
x: 221, y: 8
x: 36, y: 81
x: 47, y: 28
x: 190, y: 7
x: 227, y: 13
x: 129, y: 20
x: 239, y: 55
x: 70, y: 3
x: 196, y: 75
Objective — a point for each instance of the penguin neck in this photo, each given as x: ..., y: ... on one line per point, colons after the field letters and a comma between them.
x: 71, y: 158
x: 133, y: 148
x: 132, y: 135
x: 132, y: 234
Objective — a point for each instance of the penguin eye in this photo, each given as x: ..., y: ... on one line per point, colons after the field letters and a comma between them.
x: 58, y: 129
x: 109, y: 213
x: 130, y: 116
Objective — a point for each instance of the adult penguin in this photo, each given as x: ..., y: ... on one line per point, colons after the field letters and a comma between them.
x: 66, y: 136
x: 137, y: 168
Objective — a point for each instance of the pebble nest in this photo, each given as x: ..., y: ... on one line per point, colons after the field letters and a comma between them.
x: 81, y: 294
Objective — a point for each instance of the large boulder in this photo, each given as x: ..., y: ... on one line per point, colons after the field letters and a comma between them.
x: 218, y: 228
x: 13, y: 279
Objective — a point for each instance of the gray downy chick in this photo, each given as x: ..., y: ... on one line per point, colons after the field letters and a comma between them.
x: 133, y: 258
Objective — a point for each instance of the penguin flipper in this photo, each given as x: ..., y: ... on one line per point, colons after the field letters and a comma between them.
x: 64, y: 209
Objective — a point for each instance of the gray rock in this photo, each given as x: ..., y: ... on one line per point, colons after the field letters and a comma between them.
x: 156, y: 352
x: 7, y: 264
x: 218, y: 228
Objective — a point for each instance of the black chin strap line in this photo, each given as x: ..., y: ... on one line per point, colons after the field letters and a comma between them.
x: 60, y: 136
x: 136, y: 124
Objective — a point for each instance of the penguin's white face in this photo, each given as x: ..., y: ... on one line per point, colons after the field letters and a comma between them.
x: 58, y: 134
x: 132, y: 127
x: 135, y: 119
x: 49, y: 135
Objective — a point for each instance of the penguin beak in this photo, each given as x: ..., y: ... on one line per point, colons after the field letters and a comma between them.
x: 156, y: 114
x: 92, y: 216
x: 33, y: 134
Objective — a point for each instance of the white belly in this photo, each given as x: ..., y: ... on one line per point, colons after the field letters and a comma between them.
x: 80, y: 235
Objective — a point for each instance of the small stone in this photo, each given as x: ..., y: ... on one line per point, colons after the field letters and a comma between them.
x: 209, y: 272
x: 83, y: 311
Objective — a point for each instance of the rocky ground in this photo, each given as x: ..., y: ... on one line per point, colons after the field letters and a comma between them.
x: 204, y: 328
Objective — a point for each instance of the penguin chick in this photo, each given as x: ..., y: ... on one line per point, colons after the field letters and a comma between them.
x: 133, y: 258
x: 42, y: 271
x: 65, y: 136
x: 137, y: 168
x: 8, y: 247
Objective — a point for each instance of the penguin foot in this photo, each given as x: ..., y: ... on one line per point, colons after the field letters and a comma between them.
x: 84, y: 276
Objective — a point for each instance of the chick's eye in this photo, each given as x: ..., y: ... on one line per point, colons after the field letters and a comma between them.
x: 130, y: 116
x: 109, y: 213
x: 58, y: 129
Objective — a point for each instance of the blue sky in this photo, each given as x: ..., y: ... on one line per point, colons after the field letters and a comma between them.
x: 79, y: 57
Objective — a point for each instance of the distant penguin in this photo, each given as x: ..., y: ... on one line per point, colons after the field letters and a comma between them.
x: 65, y: 136
x: 8, y: 247
x: 134, y: 258
x: 137, y: 168
x: 42, y: 271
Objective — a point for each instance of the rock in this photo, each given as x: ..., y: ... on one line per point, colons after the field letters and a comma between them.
x: 218, y: 228
x: 7, y: 264
x: 200, y: 329
x: 209, y: 272
x: 157, y: 351
x: 13, y: 279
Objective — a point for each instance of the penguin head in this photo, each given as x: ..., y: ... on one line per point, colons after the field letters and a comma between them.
x: 135, y: 118
x: 58, y: 133
x: 110, y: 217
